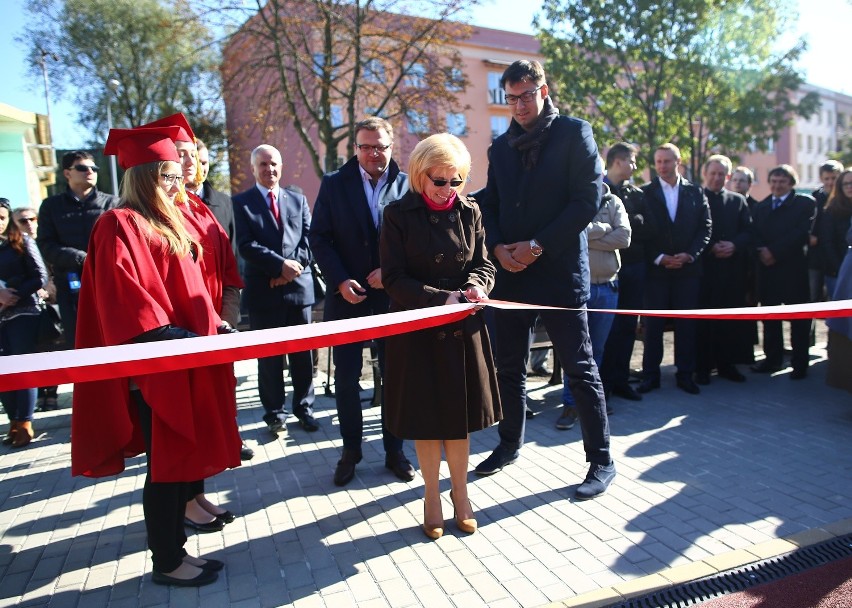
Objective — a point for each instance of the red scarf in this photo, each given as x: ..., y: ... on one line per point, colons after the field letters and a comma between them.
x: 435, y: 206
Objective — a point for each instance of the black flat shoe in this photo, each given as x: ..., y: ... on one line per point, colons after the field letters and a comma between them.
x: 213, y: 526
x: 308, y: 422
x: 226, y: 517
x: 205, y: 577
x: 213, y: 565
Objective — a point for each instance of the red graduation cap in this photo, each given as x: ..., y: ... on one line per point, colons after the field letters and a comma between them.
x: 176, y: 120
x: 142, y: 145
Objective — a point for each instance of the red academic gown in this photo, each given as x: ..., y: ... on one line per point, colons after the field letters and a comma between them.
x: 133, y: 285
x: 219, y: 266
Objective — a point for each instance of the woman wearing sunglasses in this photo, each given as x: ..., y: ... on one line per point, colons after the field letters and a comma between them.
x: 143, y: 282
x: 22, y: 274
x: 440, y: 383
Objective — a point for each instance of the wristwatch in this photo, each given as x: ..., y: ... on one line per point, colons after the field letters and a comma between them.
x: 535, y: 248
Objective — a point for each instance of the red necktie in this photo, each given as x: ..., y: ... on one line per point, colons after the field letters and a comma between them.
x: 274, y: 208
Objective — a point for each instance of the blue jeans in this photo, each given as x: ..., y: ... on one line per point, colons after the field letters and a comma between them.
x: 18, y: 336
x: 602, y: 295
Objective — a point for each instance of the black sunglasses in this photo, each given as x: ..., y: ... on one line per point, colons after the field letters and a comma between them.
x: 85, y: 168
x: 440, y: 183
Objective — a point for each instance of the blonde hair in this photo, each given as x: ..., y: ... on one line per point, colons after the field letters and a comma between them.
x: 141, y: 191
x: 440, y: 150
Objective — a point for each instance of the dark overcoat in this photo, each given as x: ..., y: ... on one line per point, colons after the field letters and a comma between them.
x: 440, y: 383
x: 724, y: 282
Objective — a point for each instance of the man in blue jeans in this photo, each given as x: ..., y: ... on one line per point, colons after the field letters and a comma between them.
x: 543, y: 189
x: 607, y: 233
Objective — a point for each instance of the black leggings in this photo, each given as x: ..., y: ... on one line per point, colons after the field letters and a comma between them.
x: 163, y: 504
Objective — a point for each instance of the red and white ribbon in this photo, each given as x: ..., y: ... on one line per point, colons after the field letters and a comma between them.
x: 88, y: 364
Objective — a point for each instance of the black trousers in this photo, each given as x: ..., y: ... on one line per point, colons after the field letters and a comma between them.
x: 163, y: 504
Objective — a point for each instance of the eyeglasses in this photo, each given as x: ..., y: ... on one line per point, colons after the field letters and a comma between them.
x: 170, y: 178
x: 526, y: 96
x: 372, y: 149
x: 86, y: 168
x: 440, y: 183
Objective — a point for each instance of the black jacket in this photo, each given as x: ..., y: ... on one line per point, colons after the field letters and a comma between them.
x: 344, y: 241
x: 641, y: 222
x: 223, y: 210
x: 688, y: 233
x: 64, y: 227
x: 553, y: 203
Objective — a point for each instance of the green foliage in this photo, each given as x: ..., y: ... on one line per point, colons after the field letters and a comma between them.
x: 845, y: 155
x: 699, y: 73
x: 146, y: 58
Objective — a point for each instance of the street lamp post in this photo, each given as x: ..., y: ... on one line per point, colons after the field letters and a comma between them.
x: 113, y: 87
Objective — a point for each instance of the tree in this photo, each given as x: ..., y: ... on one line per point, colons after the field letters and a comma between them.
x: 146, y: 58
x: 319, y: 66
x: 699, y: 73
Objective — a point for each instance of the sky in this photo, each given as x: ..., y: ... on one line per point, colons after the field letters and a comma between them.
x: 823, y: 23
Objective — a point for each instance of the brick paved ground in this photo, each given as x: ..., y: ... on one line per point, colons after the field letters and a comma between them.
x: 699, y: 478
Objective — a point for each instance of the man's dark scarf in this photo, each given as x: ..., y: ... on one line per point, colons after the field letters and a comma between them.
x: 529, y: 143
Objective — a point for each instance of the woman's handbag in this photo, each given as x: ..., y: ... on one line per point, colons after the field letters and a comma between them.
x: 50, y: 331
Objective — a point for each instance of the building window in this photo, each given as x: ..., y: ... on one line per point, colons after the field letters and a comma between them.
x: 830, y: 116
x: 499, y: 125
x: 841, y: 120
x: 810, y: 173
x: 810, y: 143
x: 319, y: 65
x: 799, y: 142
x: 415, y: 77
x: 455, y: 79
x: 819, y: 145
x: 496, y: 94
x: 456, y: 124
x: 417, y: 122
x: 374, y: 71
x: 770, y: 145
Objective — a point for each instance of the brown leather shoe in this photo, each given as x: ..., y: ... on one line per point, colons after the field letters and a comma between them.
x: 10, y: 436
x: 468, y: 526
x: 23, y: 434
x: 345, y: 471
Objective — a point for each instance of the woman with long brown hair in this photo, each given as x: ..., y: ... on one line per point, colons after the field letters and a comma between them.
x: 22, y: 274
x: 143, y: 282
x: 833, y: 225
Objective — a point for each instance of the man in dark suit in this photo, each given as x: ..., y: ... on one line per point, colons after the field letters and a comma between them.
x: 682, y: 217
x: 544, y: 187
x: 723, y: 344
x: 345, y: 241
x: 615, y: 370
x: 781, y: 228
x: 272, y: 234
x: 220, y: 203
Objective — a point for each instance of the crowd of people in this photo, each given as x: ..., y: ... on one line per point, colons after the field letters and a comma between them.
x: 553, y: 227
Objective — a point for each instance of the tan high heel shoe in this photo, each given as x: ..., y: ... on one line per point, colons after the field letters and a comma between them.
x: 433, y: 531
x: 24, y: 434
x: 468, y: 526
x: 13, y: 430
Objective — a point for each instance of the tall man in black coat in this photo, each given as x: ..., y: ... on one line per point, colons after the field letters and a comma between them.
x: 65, y: 224
x: 615, y: 369
x: 543, y: 189
x: 682, y: 217
x: 344, y: 237
x: 272, y: 234
x: 723, y: 344
x: 781, y: 229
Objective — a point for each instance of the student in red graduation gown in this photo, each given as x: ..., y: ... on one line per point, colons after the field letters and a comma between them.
x: 144, y: 282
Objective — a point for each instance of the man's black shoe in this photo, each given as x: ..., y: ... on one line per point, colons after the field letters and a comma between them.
x: 246, y: 453
x: 702, y: 378
x: 687, y: 385
x: 597, y: 481
x: 799, y: 374
x: 646, y: 386
x: 764, y: 367
x: 626, y: 392
x: 345, y: 470
x: 541, y: 370
x: 529, y: 414
x: 308, y: 423
x: 498, y: 459
x: 400, y: 466
x: 731, y: 373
